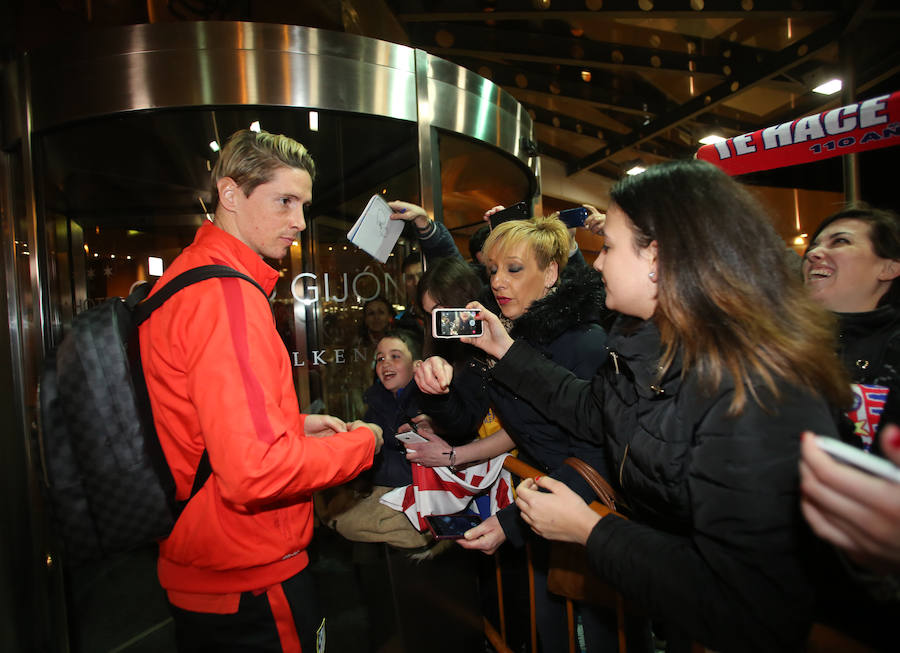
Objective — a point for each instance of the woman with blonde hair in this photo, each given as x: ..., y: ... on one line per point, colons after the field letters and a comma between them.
x: 558, y: 311
x: 718, y: 361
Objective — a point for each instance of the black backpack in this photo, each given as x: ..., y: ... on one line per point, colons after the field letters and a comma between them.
x: 109, y: 486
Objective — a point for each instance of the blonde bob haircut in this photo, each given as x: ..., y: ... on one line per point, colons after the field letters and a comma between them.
x: 251, y: 159
x: 547, y: 238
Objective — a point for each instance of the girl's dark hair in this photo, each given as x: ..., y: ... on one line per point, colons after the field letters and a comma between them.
x: 727, y: 299
x: 884, y: 234
x: 451, y: 282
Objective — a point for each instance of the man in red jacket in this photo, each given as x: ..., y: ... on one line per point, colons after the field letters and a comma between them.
x: 219, y: 379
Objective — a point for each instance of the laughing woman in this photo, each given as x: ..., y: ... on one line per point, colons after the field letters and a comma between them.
x: 717, y: 364
x: 852, y: 268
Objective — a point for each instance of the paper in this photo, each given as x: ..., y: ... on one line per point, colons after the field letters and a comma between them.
x: 374, y: 231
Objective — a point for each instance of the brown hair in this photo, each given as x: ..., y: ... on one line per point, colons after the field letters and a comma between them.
x: 727, y: 299
x: 251, y: 158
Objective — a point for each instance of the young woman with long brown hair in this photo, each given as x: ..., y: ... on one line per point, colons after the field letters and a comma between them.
x: 718, y: 362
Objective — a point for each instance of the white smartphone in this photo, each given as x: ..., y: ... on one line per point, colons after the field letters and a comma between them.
x: 455, y: 323
x: 860, y: 459
x: 409, y: 436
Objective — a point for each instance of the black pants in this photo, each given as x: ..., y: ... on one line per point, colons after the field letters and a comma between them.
x: 255, y: 626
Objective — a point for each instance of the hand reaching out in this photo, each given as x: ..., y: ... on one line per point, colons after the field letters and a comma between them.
x: 434, y: 453
x: 856, y: 511
x: 495, y: 340
x: 434, y: 375
x: 410, y: 213
x: 595, y: 220
x: 376, y: 430
x: 486, y: 537
x: 558, y: 514
x: 491, y: 211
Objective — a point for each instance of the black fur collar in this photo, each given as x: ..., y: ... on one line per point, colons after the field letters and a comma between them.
x: 579, y: 300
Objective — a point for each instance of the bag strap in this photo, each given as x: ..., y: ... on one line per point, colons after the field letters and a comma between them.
x: 604, y: 491
x: 143, y: 310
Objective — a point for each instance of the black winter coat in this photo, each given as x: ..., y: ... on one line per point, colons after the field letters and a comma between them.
x: 715, y: 543
x: 391, y: 468
x: 870, y: 345
x: 564, y: 326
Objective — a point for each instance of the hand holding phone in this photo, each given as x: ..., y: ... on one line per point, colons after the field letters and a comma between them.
x: 518, y: 211
x: 455, y: 323
x: 574, y: 218
x: 410, y: 436
x: 859, y: 459
x: 451, y: 527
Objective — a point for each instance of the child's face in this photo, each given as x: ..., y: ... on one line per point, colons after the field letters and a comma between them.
x: 393, y: 364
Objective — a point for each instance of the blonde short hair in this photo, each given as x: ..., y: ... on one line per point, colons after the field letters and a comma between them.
x: 547, y: 238
x: 251, y: 158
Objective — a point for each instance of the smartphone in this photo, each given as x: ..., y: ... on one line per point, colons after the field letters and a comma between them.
x: 860, y: 459
x: 518, y: 211
x: 451, y: 527
x: 409, y: 436
x: 455, y: 323
x: 573, y: 218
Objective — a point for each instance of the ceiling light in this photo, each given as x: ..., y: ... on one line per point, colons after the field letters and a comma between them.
x: 830, y: 87
x: 635, y: 170
x: 313, y: 121
x: 214, y: 146
x: 712, y: 138
x: 254, y: 126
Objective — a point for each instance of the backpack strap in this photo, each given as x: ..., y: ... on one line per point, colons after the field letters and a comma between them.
x: 143, y: 310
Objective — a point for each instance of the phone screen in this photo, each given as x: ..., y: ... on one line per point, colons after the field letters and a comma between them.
x: 451, y: 527
x: 455, y: 323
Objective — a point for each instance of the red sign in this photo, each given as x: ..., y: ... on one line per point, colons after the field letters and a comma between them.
x: 857, y: 127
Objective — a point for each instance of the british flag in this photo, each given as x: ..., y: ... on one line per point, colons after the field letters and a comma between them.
x: 440, y: 491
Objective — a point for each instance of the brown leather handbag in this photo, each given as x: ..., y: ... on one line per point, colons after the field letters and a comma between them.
x: 569, y: 574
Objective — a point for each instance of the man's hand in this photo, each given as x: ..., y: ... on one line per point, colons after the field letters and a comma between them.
x: 486, y: 537
x: 321, y: 426
x: 379, y: 436
x: 410, y: 213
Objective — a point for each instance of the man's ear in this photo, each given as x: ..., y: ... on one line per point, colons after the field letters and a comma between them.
x: 227, y: 189
x: 890, y: 270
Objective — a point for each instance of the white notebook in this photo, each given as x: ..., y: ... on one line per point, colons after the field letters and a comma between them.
x: 374, y: 231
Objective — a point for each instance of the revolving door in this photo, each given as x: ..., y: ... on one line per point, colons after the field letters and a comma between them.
x: 106, y: 179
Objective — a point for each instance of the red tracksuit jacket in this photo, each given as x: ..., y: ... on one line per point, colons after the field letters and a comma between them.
x: 219, y: 377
